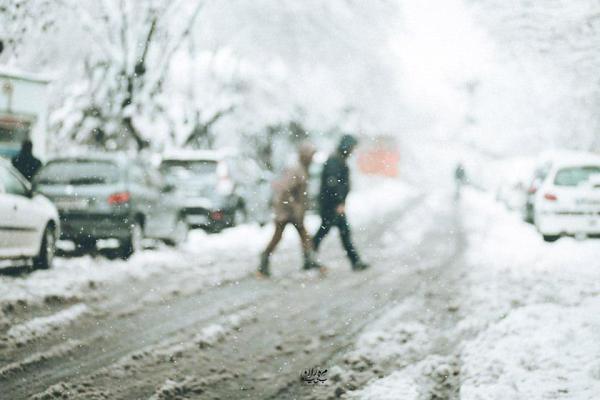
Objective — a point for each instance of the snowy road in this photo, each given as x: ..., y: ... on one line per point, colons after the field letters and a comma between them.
x: 240, y: 338
x: 444, y: 312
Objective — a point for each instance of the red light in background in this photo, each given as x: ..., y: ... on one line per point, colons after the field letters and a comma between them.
x: 118, y: 198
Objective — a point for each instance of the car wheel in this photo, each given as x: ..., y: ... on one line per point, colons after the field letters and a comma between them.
x: 45, y: 258
x: 133, y: 243
x: 551, y: 238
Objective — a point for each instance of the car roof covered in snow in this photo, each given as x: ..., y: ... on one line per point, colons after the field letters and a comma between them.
x: 198, y: 155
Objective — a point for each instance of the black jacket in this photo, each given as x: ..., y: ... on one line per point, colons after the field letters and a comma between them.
x: 335, y: 183
x: 26, y: 164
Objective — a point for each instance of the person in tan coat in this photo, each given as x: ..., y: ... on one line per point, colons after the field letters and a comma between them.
x: 290, y: 202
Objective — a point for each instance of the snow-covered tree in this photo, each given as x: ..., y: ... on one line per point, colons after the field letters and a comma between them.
x: 175, y: 73
x: 121, y: 94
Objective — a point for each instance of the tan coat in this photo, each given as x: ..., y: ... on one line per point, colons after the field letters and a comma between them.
x: 290, y: 199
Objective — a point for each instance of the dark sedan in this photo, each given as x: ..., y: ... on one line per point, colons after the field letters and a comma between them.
x: 111, y: 196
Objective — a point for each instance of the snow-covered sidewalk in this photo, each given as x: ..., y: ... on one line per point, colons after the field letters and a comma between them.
x: 535, y: 306
x: 527, y: 321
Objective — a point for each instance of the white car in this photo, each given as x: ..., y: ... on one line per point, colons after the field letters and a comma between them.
x: 568, y: 201
x: 29, y: 224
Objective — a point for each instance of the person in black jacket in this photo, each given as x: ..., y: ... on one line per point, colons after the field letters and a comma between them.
x: 25, y: 162
x: 335, y: 185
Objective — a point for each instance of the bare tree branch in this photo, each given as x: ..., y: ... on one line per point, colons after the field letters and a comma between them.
x: 203, y: 129
x: 148, y: 41
x: 176, y: 44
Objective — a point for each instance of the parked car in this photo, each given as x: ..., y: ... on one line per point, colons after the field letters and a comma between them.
x: 543, y: 166
x: 568, y: 201
x: 29, y: 225
x: 539, y: 176
x: 218, y: 189
x: 111, y: 196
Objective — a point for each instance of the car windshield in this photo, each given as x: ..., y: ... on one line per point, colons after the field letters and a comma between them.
x: 574, y: 176
x: 78, y: 172
x: 185, y: 169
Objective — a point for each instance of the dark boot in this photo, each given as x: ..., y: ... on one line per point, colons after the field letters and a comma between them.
x: 310, y: 262
x: 263, y: 268
x: 360, y: 266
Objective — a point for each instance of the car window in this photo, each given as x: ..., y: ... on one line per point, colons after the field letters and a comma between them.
x: 188, y: 167
x: 78, y: 172
x: 574, y: 176
x: 11, y: 184
x: 184, y: 170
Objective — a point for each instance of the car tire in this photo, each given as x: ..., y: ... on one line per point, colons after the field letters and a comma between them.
x: 551, y: 238
x: 45, y: 258
x: 133, y: 243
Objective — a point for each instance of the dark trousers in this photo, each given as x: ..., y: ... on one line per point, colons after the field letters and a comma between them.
x: 329, y: 220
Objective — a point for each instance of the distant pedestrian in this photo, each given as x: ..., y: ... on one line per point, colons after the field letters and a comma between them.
x: 290, y: 202
x: 335, y: 185
x: 25, y: 162
x: 460, y: 179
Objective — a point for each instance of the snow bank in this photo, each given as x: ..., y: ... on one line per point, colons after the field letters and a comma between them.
x: 540, y: 351
x: 531, y: 310
x: 527, y: 322
x: 513, y: 266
